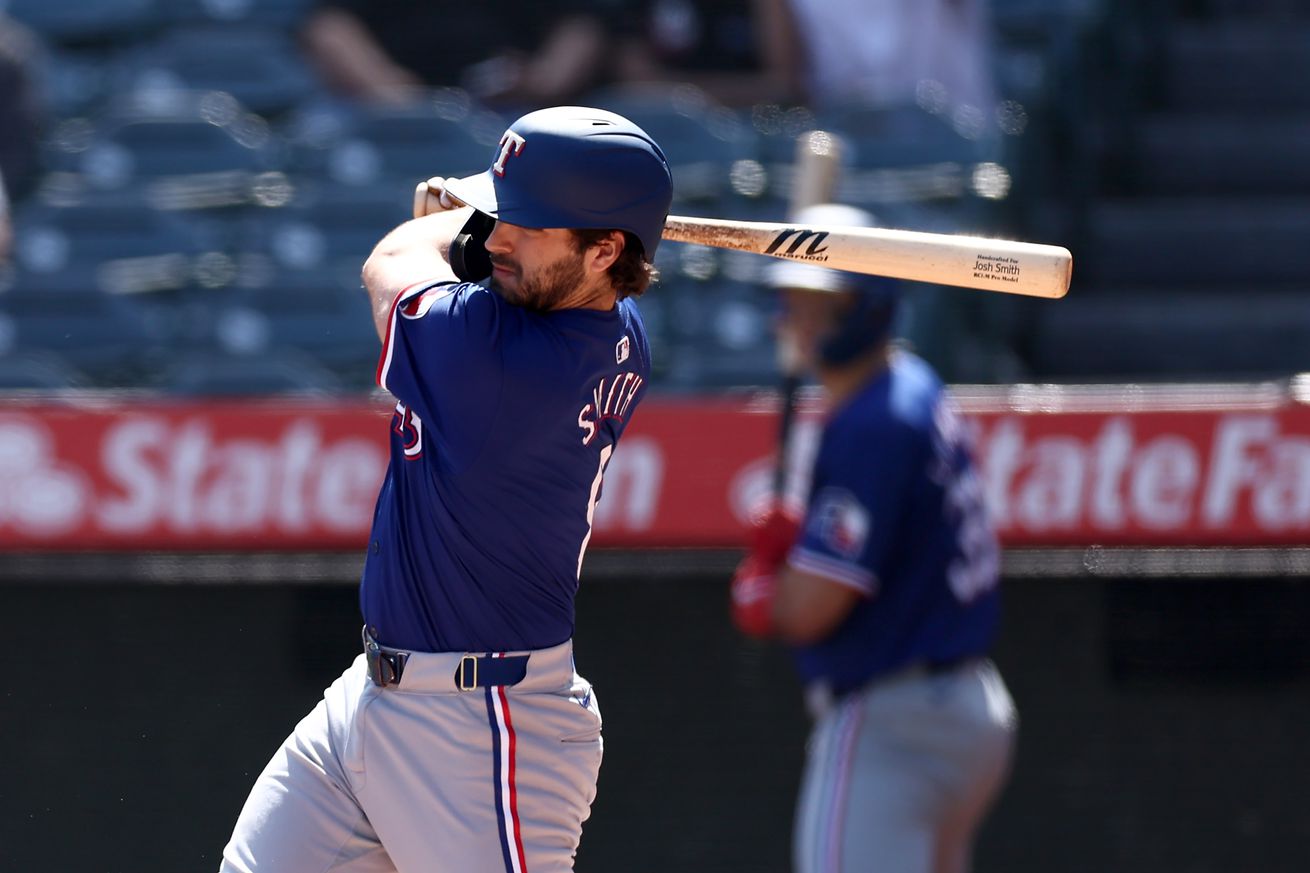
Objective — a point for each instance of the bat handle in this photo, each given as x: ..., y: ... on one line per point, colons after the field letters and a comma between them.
x: 790, y: 385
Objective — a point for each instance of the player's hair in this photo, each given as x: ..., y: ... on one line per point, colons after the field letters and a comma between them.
x: 631, y: 274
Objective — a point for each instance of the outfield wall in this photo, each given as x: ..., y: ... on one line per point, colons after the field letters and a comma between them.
x: 1163, y: 718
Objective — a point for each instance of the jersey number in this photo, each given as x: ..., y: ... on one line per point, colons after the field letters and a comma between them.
x: 605, y: 453
x: 976, y: 568
x: 406, y: 423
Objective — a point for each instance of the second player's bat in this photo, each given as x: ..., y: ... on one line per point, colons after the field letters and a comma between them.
x: 817, y: 166
x: 1034, y: 269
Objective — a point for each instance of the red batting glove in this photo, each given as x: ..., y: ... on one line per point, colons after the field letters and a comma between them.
x: 753, y: 590
x: 772, y: 536
x: 755, y: 584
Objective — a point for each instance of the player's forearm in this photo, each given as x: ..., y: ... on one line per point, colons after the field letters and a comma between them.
x: 416, y: 251
x: 809, y: 608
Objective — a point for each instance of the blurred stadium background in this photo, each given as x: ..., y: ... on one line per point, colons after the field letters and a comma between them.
x: 180, y: 321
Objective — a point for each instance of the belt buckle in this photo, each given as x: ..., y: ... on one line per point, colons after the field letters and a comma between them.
x: 372, y: 654
x: 383, y: 667
x: 463, y: 682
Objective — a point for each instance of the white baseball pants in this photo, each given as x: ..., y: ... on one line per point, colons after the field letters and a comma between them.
x: 422, y: 777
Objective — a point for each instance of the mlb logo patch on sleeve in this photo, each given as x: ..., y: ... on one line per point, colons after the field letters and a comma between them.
x: 840, y: 522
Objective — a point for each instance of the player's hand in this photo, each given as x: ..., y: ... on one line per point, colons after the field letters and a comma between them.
x: 431, y: 196
x: 752, y: 591
x: 772, y: 535
x: 755, y: 582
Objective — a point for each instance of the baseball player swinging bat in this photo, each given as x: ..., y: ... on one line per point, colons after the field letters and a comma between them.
x: 1009, y: 266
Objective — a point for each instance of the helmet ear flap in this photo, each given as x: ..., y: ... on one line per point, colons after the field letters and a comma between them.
x: 468, y: 250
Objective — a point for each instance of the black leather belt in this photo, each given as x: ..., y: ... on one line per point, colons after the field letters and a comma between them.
x: 386, y: 666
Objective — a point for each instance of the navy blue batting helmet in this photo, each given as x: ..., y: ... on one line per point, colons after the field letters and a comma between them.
x: 575, y: 167
x: 869, y: 322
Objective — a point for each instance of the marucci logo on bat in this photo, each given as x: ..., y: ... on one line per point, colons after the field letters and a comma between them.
x: 816, y: 249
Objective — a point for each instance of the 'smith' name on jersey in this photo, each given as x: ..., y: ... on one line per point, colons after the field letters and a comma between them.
x: 610, y: 398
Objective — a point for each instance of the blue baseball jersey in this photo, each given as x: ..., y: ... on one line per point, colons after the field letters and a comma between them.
x: 896, y: 512
x: 504, y: 423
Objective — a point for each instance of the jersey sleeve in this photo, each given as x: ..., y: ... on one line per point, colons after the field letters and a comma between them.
x: 857, y: 499
x: 441, y: 358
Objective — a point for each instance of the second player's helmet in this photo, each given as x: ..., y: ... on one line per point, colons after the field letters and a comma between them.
x: 870, y: 320
x: 575, y: 167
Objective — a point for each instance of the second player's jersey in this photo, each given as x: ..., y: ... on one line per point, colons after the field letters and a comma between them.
x: 896, y: 512
x: 504, y: 423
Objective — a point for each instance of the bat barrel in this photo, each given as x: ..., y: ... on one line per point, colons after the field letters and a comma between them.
x: 1008, y: 266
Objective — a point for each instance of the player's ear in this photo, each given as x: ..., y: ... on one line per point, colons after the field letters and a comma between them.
x: 602, y: 253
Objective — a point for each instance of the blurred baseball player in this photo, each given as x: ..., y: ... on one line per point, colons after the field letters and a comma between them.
x: 462, y: 740
x: 887, y: 591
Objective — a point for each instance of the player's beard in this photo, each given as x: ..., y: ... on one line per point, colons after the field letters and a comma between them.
x: 546, y: 287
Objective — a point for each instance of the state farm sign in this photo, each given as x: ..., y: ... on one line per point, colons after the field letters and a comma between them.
x: 690, y: 472
x: 210, y: 476
x: 1204, y: 478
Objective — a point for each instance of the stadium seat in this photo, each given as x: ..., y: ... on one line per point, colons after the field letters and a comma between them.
x: 327, y: 226
x: 76, y: 83
x: 38, y: 371
x: 1023, y: 16
x: 1077, y: 73
x: 1197, y: 241
x: 360, y: 145
x: 913, y: 168
x: 86, y: 21
x: 1161, y: 334
x: 718, y: 333
x: 336, y: 332
x: 180, y: 149
x: 102, y: 336
x: 261, y: 67
x: 701, y: 139
x: 285, y: 14
x: 267, y: 374
x: 110, y: 244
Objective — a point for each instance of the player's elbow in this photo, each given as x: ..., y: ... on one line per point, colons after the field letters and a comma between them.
x: 375, y: 273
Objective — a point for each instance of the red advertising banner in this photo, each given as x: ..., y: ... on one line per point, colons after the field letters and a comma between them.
x: 87, y: 473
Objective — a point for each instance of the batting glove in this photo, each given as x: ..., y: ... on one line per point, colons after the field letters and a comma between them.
x: 755, y: 582
x: 430, y: 196
x: 772, y: 536
x: 752, y: 592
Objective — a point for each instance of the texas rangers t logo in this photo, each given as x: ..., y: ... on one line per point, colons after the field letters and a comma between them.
x: 510, y: 144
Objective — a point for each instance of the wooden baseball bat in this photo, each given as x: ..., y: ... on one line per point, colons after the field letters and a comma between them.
x: 816, y: 169
x: 1032, y: 269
